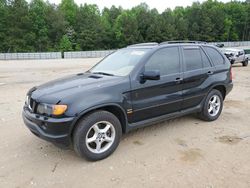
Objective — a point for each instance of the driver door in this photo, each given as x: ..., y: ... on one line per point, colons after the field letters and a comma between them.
x: 159, y: 97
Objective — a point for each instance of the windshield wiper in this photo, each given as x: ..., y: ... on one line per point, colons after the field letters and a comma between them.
x: 103, y: 73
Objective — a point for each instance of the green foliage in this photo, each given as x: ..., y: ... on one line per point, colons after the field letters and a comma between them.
x: 89, y: 28
x: 41, y: 26
x: 56, y: 25
x: 3, y: 22
x: 69, y: 9
x: 65, y: 44
x: 17, y: 27
x: 126, y: 29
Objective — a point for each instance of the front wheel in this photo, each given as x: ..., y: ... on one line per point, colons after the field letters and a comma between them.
x: 97, y: 135
x: 212, y: 106
x: 245, y: 63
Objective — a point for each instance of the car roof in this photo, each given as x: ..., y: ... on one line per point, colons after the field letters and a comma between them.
x: 144, y: 45
x: 168, y: 43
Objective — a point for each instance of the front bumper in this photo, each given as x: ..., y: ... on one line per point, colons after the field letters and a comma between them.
x: 55, y: 130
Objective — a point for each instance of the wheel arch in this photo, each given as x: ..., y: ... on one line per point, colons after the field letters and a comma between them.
x: 221, y: 88
x: 113, y: 108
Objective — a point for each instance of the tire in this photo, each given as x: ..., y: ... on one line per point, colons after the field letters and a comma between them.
x: 97, y: 135
x: 209, y: 107
x: 245, y: 63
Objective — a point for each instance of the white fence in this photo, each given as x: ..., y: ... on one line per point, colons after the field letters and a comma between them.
x: 87, y: 54
x: 233, y: 44
x: 18, y: 56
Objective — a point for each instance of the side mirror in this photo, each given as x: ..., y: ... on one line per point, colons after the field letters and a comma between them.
x: 150, y: 75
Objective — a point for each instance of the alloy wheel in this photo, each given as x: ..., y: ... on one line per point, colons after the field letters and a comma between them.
x: 214, y: 105
x: 100, y: 137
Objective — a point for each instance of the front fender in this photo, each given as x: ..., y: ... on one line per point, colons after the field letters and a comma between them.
x: 96, y: 107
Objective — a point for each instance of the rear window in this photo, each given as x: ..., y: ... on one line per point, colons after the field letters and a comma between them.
x: 215, y: 56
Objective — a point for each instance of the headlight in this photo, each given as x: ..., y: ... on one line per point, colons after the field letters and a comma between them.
x: 48, y: 109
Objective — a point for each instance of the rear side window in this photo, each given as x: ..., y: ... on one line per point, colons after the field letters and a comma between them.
x: 205, y: 60
x: 193, y: 59
x: 215, y: 56
x: 165, y: 60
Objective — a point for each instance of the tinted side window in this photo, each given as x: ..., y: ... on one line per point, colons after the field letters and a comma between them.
x: 206, y: 62
x: 166, y: 60
x: 215, y: 56
x: 192, y: 57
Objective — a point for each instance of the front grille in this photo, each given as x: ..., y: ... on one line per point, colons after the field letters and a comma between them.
x: 32, y: 104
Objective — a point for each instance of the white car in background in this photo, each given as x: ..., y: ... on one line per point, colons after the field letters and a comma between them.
x: 236, y: 56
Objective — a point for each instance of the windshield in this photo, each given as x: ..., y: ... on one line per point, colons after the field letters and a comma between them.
x: 120, y: 63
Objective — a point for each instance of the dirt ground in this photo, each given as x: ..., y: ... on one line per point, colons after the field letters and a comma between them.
x: 184, y: 152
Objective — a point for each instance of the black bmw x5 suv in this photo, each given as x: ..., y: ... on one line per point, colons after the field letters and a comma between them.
x: 131, y: 88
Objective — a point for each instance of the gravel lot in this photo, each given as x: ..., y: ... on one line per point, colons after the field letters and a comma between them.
x: 184, y: 152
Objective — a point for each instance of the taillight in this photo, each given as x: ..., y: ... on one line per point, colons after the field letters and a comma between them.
x: 231, y: 73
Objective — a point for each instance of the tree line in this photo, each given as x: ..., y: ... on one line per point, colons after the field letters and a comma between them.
x: 40, y: 26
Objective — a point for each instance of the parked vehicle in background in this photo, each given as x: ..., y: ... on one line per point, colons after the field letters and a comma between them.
x: 248, y: 56
x: 133, y: 87
x: 219, y: 45
x: 236, y: 56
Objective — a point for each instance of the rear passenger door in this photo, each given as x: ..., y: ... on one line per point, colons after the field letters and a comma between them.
x: 197, y: 69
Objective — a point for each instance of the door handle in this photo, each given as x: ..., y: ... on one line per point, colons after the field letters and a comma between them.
x: 178, y: 80
x: 210, y: 72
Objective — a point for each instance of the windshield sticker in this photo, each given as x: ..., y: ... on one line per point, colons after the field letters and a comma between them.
x: 137, y: 53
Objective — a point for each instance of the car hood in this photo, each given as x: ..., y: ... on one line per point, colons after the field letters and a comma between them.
x: 55, y: 91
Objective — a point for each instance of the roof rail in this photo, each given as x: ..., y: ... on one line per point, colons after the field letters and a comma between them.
x: 183, y: 41
x: 144, y: 44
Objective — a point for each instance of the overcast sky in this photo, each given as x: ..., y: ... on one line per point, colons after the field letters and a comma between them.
x: 160, y: 5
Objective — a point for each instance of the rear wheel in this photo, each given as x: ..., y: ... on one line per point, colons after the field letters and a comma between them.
x: 97, y: 135
x: 245, y: 63
x: 212, y: 106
